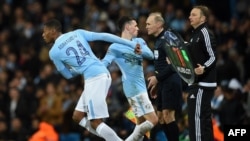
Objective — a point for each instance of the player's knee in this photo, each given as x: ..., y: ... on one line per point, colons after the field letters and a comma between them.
x: 160, y: 118
x: 77, y: 116
x: 168, y: 116
x: 95, y: 123
x: 155, y: 120
x: 140, y: 119
x: 168, y: 119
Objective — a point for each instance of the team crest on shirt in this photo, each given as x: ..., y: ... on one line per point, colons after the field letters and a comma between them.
x: 156, y: 54
x: 131, y: 58
x: 197, y: 40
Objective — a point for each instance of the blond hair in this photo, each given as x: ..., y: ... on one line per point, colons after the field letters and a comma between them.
x: 204, y: 10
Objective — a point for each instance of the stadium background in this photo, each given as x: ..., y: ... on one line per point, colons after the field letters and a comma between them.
x: 29, y: 81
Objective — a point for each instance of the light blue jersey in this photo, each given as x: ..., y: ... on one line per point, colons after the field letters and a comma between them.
x: 72, y: 54
x: 130, y: 65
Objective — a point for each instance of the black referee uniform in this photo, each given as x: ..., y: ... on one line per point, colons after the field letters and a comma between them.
x: 169, y: 94
x: 202, y: 51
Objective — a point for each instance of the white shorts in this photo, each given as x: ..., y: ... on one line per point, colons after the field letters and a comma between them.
x: 93, y: 99
x: 141, y: 104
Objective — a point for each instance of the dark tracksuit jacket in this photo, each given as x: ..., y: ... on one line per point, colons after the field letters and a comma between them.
x: 202, y: 51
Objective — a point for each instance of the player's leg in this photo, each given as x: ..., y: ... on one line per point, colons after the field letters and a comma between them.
x: 171, y: 104
x: 142, y: 107
x: 97, y: 108
x: 80, y: 116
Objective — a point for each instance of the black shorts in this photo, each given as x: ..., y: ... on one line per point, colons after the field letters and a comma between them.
x: 169, y: 94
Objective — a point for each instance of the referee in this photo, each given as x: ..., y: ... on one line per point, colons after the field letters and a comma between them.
x: 169, y: 83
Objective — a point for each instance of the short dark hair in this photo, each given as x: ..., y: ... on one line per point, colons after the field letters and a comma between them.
x: 55, y: 24
x: 122, y: 21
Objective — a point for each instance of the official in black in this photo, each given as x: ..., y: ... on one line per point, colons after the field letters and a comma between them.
x: 166, y: 80
x: 202, y: 51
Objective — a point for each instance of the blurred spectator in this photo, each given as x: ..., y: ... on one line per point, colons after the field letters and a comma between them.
x: 18, y: 132
x: 113, y: 9
x: 179, y: 21
x: 169, y: 13
x: 3, y: 129
x: 45, y: 132
x: 46, y: 74
x: 50, y: 106
x: 226, y: 63
x: 17, y: 107
x: 231, y: 110
x: 183, y: 127
x: 246, y: 92
x: 216, y: 102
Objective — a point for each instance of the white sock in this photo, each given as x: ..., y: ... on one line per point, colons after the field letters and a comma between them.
x: 140, y: 130
x: 141, y: 139
x: 86, y: 124
x: 107, y: 133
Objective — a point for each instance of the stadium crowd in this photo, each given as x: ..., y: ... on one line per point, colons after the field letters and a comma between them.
x: 32, y: 91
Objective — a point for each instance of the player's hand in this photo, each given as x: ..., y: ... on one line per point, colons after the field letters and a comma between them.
x: 153, y: 91
x: 137, y: 49
x: 199, y: 70
x: 152, y: 86
x: 152, y: 81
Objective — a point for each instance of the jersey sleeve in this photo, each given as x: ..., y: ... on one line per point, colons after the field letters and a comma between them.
x: 110, y: 56
x: 95, y: 36
x: 146, y: 51
x: 208, y: 48
x: 60, y: 66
